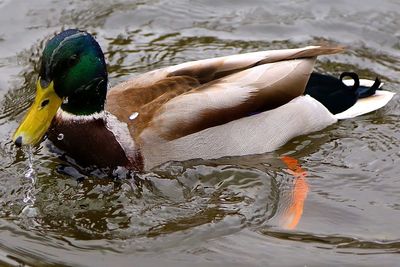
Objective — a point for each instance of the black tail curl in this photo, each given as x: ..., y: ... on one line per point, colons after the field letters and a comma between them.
x: 334, y: 94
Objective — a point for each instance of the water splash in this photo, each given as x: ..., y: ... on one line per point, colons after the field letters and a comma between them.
x: 30, y: 174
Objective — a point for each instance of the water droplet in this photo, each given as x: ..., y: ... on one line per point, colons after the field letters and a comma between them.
x: 65, y: 100
x: 29, y: 211
x: 30, y: 174
x: 134, y: 115
x: 60, y: 136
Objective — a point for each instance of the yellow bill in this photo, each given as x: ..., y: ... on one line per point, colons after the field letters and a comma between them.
x: 39, y: 117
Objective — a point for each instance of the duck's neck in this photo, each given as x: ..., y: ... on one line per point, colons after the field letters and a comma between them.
x: 65, y: 115
x: 87, y: 101
x: 97, y: 139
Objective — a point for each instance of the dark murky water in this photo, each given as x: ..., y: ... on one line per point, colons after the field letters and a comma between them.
x: 229, y: 212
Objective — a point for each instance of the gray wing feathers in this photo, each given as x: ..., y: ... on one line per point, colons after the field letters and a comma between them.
x: 208, y: 69
x: 260, y: 88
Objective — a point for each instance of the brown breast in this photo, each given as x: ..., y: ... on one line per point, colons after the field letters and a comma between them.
x: 90, y: 143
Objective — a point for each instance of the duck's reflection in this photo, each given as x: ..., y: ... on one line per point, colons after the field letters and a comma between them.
x: 292, y: 215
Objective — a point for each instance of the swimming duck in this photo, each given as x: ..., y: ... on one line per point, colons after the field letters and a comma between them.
x: 228, y: 106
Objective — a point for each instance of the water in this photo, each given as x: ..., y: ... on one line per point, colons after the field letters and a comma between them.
x: 238, y: 211
x: 30, y: 174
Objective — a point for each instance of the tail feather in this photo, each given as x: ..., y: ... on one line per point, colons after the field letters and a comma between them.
x: 337, y: 94
x: 332, y: 92
x: 347, y: 98
x: 364, y: 91
x: 366, y: 105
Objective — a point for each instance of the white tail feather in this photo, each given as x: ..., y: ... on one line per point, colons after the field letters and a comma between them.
x: 366, y: 105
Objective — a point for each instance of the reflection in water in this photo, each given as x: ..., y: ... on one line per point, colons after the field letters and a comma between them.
x: 244, y: 211
x: 177, y: 197
x: 293, y: 213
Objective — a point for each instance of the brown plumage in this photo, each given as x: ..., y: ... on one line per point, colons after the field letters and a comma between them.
x: 92, y: 143
x: 165, y: 91
x: 184, y: 109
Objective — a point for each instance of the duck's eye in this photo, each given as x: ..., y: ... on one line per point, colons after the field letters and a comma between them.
x: 72, y: 60
x: 45, y: 103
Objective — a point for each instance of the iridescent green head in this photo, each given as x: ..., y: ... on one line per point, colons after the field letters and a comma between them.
x: 73, y: 75
x: 73, y: 60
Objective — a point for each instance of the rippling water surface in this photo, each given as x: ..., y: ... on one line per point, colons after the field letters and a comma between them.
x: 341, y: 206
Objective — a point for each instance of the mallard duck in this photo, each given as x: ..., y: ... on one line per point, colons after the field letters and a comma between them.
x: 228, y: 106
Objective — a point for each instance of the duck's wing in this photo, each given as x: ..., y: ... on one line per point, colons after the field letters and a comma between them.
x: 244, y: 93
x: 261, y: 87
x: 179, y: 100
x: 210, y: 69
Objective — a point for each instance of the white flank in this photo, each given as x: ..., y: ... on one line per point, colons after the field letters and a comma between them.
x: 366, y: 105
x: 260, y: 133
